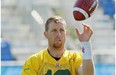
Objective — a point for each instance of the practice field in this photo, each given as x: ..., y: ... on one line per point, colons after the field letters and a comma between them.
x: 100, y: 69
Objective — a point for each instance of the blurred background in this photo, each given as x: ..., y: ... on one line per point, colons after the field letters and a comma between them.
x: 22, y: 27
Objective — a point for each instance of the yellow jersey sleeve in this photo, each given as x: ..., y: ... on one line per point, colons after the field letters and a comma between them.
x: 75, y: 62
x: 31, y: 66
x: 77, y: 59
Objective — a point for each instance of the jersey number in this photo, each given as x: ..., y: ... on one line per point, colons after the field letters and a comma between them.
x: 59, y: 72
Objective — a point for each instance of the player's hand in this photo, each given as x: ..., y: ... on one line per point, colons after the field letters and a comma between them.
x: 85, y: 35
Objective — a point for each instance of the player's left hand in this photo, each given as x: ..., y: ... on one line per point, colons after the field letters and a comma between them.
x: 85, y: 35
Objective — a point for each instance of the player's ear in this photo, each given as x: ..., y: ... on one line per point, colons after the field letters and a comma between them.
x: 46, y: 34
x: 66, y: 33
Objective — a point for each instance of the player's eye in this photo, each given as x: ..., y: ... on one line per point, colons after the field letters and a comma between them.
x: 54, y: 30
x: 61, y: 30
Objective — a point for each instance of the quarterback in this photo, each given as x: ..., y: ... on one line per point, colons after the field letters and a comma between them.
x: 55, y: 59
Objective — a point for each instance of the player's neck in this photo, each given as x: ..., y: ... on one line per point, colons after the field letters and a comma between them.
x: 56, y: 52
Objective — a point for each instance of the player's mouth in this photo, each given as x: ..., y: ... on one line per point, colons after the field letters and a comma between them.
x: 58, y: 41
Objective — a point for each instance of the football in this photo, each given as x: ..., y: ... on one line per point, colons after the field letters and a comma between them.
x: 83, y: 9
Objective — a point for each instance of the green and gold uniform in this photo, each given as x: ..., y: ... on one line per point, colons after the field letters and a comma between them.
x: 42, y: 63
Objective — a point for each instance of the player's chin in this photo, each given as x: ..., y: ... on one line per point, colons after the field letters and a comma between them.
x: 57, y: 45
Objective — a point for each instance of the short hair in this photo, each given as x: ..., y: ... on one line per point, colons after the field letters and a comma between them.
x: 56, y: 19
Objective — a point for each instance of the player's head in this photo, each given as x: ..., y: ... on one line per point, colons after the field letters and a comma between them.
x: 55, y: 31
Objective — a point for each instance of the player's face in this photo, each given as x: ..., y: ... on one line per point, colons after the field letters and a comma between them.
x: 56, y: 34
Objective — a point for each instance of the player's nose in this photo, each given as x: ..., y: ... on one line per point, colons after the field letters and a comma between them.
x: 59, y: 33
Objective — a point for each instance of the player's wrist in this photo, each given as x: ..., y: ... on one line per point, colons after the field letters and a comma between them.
x: 86, y: 50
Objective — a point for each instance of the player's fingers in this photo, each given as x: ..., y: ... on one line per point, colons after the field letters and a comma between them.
x: 86, y: 27
x: 91, y: 31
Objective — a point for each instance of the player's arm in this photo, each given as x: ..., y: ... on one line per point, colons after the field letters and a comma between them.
x: 87, y: 67
x: 30, y: 67
x: 28, y: 70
